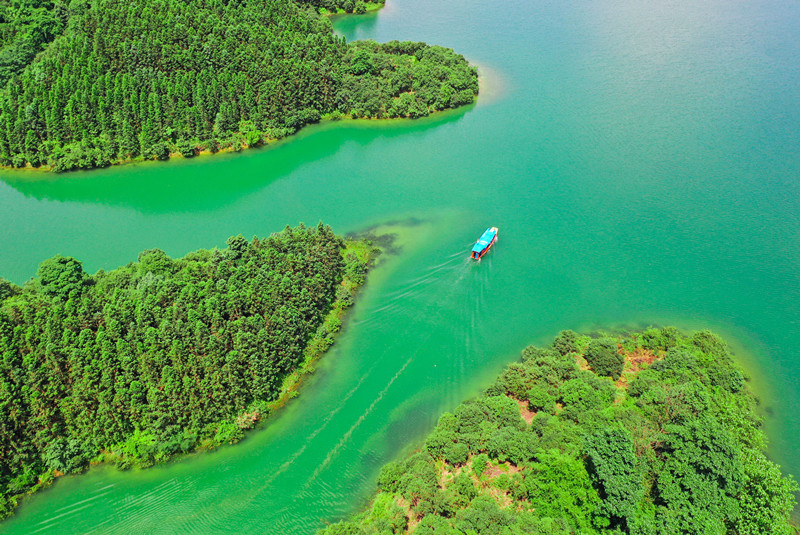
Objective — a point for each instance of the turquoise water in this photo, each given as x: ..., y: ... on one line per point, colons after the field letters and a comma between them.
x: 641, y: 162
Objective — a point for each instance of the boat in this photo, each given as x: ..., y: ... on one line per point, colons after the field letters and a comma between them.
x: 484, y: 243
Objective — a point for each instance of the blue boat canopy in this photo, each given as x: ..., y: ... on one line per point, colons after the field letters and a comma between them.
x: 484, y: 240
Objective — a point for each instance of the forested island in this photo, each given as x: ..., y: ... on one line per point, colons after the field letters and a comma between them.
x: 162, y: 356
x: 89, y: 84
x: 646, y: 433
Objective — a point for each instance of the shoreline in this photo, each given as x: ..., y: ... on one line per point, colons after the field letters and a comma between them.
x: 237, y: 142
x: 371, y: 7
x: 256, y: 416
x: 509, y: 459
x: 46, y: 171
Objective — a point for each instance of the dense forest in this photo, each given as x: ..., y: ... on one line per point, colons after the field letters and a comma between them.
x: 146, y: 79
x: 162, y: 356
x: 647, y: 433
x: 345, y: 6
x: 26, y: 26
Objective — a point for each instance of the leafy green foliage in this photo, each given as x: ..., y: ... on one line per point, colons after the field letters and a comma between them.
x: 7, y: 289
x: 483, y: 516
x: 612, y: 464
x: 343, y: 6
x: 766, y: 500
x: 560, y: 486
x: 676, y: 452
x: 404, y: 79
x: 603, y: 357
x: 161, y: 356
x: 142, y: 80
x: 61, y: 276
x: 26, y: 27
x: 566, y: 342
x: 660, y: 339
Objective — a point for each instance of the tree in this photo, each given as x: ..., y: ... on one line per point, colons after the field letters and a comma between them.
x: 612, y: 465
x: 560, y: 487
x: 7, y: 289
x: 60, y: 276
x: 510, y: 444
x: 702, y: 477
x: 766, y: 499
x: 565, y: 342
x: 153, y: 358
x: 151, y: 98
x: 674, y: 452
x: 456, y: 454
x: 604, y: 358
x: 155, y: 261
x: 483, y: 516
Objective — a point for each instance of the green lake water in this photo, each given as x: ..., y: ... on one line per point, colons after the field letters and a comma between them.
x: 642, y: 161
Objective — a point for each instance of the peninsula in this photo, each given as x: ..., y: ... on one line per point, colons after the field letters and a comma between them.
x: 90, y: 84
x: 162, y: 357
x: 642, y: 433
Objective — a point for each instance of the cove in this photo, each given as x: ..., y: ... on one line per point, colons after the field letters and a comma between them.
x: 641, y: 162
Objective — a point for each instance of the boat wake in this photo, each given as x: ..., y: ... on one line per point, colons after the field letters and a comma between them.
x: 317, y: 430
x: 346, y: 437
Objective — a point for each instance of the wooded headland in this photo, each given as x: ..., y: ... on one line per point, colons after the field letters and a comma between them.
x: 642, y: 433
x: 162, y: 356
x: 90, y: 84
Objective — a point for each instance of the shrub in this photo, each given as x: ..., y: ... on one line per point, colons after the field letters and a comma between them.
x: 611, y: 463
x: 7, y: 289
x: 660, y: 339
x: 509, y: 444
x: 479, y: 463
x: 533, y: 353
x: 565, y: 342
x: 484, y: 516
x: 710, y: 344
x: 187, y: 148
x: 61, y: 275
x: 539, y: 399
x: 390, y: 475
x: 603, y: 357
x: 456, y: 454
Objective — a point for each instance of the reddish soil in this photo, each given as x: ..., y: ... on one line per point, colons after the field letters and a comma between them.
x: 639, y: 358
x: 525, y: 412
x: 635, y: 361
x: 494, y: 471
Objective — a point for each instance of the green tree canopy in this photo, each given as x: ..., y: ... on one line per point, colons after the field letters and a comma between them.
x: 161, y: 356
x: 60, y: 276
x: 603, y: 357
x: 670, y: 449
x: 145, y: 79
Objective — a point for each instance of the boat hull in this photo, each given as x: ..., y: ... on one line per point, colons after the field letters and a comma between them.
x: 478, y: 254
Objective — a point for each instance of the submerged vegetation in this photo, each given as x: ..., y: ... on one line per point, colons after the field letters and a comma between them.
x: 144, y: 80
x: 162, y: 356
x: 648, y: 433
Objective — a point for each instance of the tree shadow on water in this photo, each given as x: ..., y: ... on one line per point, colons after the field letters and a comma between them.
x: 208, y: 183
